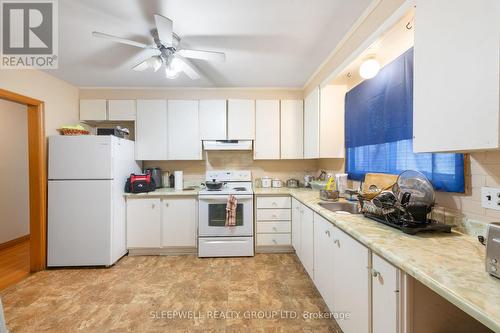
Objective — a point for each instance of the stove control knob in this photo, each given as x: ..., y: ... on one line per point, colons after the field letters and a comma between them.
x: 493, y: 261
x: 493, y: 269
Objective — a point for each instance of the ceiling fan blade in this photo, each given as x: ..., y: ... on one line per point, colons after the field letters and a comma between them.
x: 164, y: 27
x: 204, y: 55
x: 187, y: 67
x: 154, y: 62
x: 121, y: 40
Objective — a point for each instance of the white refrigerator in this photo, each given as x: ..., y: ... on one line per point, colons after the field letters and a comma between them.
x: 86, y: 206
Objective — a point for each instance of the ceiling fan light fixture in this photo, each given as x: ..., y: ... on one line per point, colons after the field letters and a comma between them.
x: 173, y: 68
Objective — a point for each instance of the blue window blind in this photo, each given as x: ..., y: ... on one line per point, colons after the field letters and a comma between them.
x: 379, y: 130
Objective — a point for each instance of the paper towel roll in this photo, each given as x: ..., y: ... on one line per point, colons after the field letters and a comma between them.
x: 179, y: 181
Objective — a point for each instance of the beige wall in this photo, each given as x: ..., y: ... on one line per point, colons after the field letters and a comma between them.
x: 194, y: 171
x: 465, y: 209
x: 191, y: 93
x: 61, y: 98
x: 14, y: 189
x: 371, y: 23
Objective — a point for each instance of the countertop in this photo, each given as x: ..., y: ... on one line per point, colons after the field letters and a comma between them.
x: 163, y: 192
x: 452, y: 265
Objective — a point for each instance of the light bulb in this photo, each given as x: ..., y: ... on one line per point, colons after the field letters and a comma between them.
x: 369, y: 68
x: 173, y: 68
x: 155, y: 62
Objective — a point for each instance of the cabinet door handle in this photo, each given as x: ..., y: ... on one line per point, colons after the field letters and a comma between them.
x: 375, y: 273
x: 167, y: 205
x: 153, y: 206
x: 336, y: 241
x: 327, y: 232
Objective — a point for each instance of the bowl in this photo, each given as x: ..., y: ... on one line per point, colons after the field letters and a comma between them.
x: 318, y: 184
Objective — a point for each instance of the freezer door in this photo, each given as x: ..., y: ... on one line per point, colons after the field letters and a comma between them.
x: 80, y: 157
x: 79, y: 223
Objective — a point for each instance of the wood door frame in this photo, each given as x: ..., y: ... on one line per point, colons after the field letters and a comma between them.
x: 37, y: 177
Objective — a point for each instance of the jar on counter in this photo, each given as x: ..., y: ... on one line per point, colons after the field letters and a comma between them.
x: 266, y: 182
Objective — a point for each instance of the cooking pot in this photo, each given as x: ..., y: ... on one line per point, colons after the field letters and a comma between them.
x: 213, y: 184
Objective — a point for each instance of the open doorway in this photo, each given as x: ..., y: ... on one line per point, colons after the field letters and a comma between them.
x: 23, y: 188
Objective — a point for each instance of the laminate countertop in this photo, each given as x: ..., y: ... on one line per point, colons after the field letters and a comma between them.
x: 452, y: 265
x: 163, y: 192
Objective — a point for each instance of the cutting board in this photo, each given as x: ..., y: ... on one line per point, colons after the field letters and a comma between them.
x: 381, y: 180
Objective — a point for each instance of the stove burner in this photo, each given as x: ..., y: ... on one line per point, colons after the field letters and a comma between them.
x: 239, y: 189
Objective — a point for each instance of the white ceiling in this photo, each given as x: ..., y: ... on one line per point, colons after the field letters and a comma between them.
x: 268, y: 43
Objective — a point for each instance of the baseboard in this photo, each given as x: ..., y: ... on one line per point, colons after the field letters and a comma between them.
x: 163, y: 251
x: 274, y: 249
x: 14, y: 242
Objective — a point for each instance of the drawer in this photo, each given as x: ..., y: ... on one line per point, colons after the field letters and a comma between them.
x: 274, y: 214
x: 273, y: 239
x: 274, y: 202
x: 274, y: 227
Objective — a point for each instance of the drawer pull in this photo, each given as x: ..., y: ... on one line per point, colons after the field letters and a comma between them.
x: 274, y: 241
x: 274, y: 216
x: 274, y: 228
x: 274, y: 204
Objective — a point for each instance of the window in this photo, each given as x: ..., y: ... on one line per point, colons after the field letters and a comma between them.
x: 379, y: 130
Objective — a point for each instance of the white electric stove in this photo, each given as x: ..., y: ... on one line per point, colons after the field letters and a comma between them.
x: 215, y: 239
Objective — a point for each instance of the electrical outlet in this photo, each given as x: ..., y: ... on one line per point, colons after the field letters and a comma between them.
x: 490, y: 197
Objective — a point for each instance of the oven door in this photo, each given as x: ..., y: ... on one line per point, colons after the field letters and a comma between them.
x: 212, y: 216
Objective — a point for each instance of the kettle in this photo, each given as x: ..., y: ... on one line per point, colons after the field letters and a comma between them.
x: 156, y: 174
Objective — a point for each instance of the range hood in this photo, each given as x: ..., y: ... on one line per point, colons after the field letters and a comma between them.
x: 227, y: 145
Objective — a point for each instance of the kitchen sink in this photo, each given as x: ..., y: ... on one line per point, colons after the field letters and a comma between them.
x: 341, y: 206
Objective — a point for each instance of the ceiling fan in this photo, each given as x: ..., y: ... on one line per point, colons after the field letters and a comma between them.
x: 167, y: 44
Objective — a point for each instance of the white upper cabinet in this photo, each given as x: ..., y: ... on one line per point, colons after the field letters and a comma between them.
x: 267, y: 130
x: 311, y: 124
x: 456, y: 75
x: 183, y: 136
x: 121, y: 109
x: 292, y: 127
x: 93, y: 109
x: 240, y: 119
x: 151, y: 130
x: 213, y: 123
x: 331, y: 126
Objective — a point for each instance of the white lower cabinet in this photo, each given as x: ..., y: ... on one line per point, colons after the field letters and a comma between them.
x: 307, y: 239
x: 323, y: 258
x: 351, y: 282
x: 296, y: 226
x: 273, y: 225
x: 303, y: 235
x: 154, y: 223
x: 143, y: 223
x: 385, y: 296
x: 179, y: 220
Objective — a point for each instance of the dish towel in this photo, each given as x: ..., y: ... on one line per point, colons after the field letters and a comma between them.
x: 231, y: 205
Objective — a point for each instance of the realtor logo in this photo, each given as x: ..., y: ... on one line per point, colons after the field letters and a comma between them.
x: 29, y: 34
